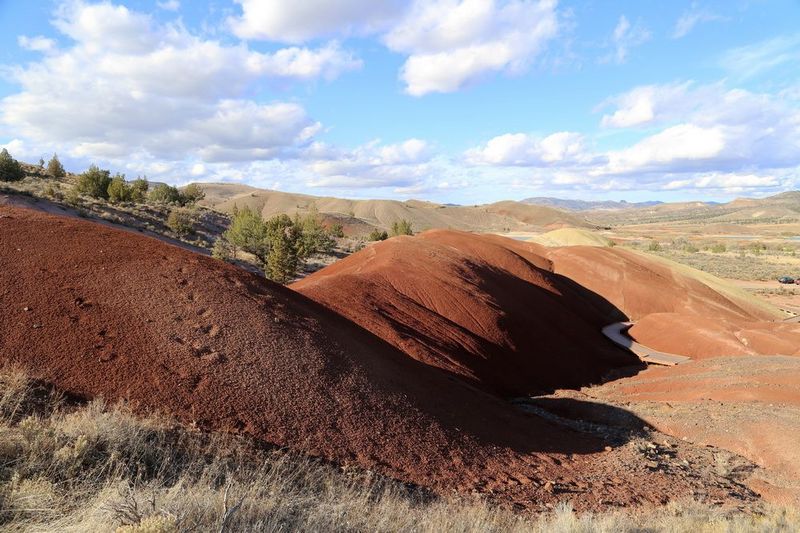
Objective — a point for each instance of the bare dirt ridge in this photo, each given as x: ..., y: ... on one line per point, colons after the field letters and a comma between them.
x: 101, y: 312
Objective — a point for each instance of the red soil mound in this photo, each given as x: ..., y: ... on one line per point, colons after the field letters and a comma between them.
x: 703, y: 337
x: 639, y: 285
x: 101, y: 312
x: 487, y: 308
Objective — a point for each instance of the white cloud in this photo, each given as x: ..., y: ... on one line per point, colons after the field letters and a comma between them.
x: 451, y: 43
x: 130, y: 88
x: 624, y: 37
x: 691, y: 18
x: 520, y: 149
x: 707, y: 127
x: 372, y: 165
x: 756, y: 59
x: 296, y: 22
x: 677, y: 147
x: 327, y: 62
x: 36, y: 44
x: 169, y: 5
x: 694, y: 137
x: 729, y: 182
x: 640, y: 105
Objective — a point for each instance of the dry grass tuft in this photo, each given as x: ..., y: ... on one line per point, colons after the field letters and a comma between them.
x: 94, y: 467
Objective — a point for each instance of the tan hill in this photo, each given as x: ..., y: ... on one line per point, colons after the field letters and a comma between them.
x: 364, y: 215
x: 780, y: 208
x: 570, y: 237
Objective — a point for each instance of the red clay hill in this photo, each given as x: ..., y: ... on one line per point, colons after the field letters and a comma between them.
x: 487, y: 308
x: 102, y: 312
x: 676, y: 309
x: 640, y: 284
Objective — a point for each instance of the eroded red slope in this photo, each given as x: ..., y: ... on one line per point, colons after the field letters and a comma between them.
x: 102, y: 312
x: 487, y: 308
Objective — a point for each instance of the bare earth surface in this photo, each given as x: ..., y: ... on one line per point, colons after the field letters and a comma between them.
x: 487, y: 308
x: 640, y: 284
x: 102, y: 312
x: 749, y: 405
x: 702, y: 337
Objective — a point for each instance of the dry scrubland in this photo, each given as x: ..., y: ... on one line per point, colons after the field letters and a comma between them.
x: 72, y: 466
x: 60, y: 195
x: 743, y: 260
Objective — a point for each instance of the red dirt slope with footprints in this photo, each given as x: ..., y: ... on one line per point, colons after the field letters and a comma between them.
x: 487, y: 308
x: 102, y: 312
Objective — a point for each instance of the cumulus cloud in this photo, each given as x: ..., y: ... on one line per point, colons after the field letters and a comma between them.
x: 624, y: 37
x: 694, y: 137
x: 691, y: 18
x: 452, y: 43
x: 728, y: 182
x: 372, y: 165
x: 297, y: 22
x: 707, y: 127
x: 681, y: 147
x: 128, y: 87
x: 641, y: 105
x: 520, y: 149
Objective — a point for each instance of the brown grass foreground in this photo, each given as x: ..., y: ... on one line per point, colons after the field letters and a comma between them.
x: 66, y: 466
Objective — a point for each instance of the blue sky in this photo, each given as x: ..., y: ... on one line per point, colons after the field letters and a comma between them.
x: 462, y: 101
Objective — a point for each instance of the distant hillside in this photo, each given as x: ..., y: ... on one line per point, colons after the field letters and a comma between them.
x: 361, y: 216
x: 778, y: 209
x: 585, y: 205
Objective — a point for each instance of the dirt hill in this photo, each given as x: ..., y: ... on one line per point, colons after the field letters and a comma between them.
x: 639, y: 284
x: 570, y: 237
x: 484, y: 307
x: 101, y: 312
x: 501, y: 216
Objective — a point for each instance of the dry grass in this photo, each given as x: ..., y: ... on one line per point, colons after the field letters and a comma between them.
x: 93, y: 467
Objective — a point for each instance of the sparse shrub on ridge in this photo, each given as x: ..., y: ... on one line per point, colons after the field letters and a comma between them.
x: 222, y: 249
x: 336, y: 230
x: 167, y: 194
x: 54, y: 167
x: 248, y: 233
x: 181, y: 221
x: 314, y: 237
x: 119, y: 190
x: 139, y: 188
x: 281, y: 244
x: 191, y: 194
x: 10, y: 169
x: 164, y: 194
x: 94, y: 182
x: 377, y: 235
x: 402, y: 227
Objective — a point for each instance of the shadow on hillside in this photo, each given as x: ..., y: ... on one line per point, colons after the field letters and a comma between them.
x: 463, y: 409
